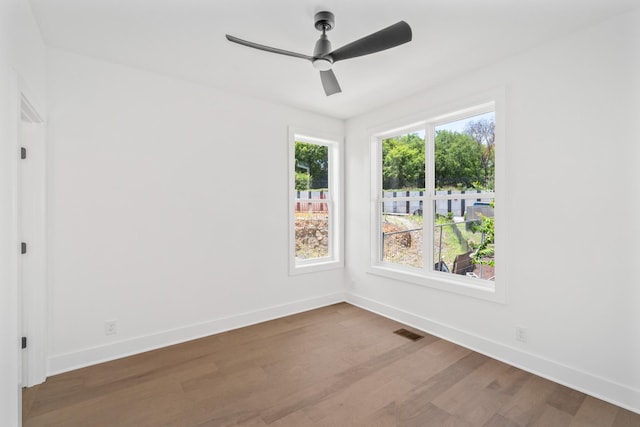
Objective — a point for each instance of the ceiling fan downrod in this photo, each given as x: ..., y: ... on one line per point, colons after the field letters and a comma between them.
x: 324, y: 21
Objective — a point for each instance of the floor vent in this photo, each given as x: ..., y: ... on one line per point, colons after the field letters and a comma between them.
x: 408, y: 334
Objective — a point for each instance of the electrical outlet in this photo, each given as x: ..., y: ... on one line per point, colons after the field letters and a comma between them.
x: 521, y: 334
x: 110, y: 327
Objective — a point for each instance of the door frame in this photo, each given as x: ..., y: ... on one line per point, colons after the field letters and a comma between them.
x: 32, y: 272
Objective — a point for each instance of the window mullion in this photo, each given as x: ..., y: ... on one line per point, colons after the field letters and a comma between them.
x: 466, y: 196
x: 427, y: 210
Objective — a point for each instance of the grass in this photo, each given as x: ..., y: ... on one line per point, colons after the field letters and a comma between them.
x: 452, y: 244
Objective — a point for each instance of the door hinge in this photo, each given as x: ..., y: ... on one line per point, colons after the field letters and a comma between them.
x: 23, y: 153
x: 24, y: 342
x: 23, y: 248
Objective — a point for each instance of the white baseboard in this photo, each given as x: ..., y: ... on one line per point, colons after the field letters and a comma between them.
x: 601, y: 388
x: 91, y: 356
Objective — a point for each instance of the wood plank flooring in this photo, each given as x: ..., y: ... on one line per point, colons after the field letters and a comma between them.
x: 334, y: 366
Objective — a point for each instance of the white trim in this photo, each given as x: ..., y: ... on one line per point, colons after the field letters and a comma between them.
x: 613, y: 392
x: 401, y: 130
x: 456, y: 284
x: 501, y: 184
x: 91, y: 356
x: 463, y: 113
x: 34, y: 267
x: 463, y: 196
x: 28, y: 112
x: 13, y: 366
x: 610, y: 391
x: 491, y: 101
x: 335, y: 201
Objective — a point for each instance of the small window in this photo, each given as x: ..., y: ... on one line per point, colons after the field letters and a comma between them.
x: 434, y: 194
x: 315, y: 208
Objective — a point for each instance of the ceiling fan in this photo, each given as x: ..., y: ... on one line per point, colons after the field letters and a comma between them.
x: 323, y: 57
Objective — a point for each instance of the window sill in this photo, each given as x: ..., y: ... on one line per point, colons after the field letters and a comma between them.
x: 312, y: 267
x: 456, y: 284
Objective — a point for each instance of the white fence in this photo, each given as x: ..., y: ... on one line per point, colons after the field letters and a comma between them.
x: 443, y: 207
x: 303, y: 203
x: 457, y: 206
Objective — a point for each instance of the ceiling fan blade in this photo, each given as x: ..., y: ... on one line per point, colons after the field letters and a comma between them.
x: 392, y: 36
x: 329, y: 82
x: 268, y: 48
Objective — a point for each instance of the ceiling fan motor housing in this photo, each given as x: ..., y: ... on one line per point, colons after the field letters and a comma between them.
x: 324, y: 21
x: 323, y: 47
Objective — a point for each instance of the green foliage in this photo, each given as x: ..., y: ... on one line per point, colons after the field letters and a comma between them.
x: 485, y: 252
x: 313, y: 160
x: 484, y: 133
x: 403, y: 162
x: 462, y: 160
x: 303, y: 181
x: 457, y: 160
x: 474, y: 226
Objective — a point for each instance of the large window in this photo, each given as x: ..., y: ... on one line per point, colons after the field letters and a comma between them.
x: 314, y: 187
x: 434, y: 200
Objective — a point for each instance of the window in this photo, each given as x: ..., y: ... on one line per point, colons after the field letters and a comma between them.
x: 434, y: 198
x: 315, y: 203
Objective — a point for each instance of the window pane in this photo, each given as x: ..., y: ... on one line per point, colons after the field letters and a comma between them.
x: 465, y: 245
x: 402, y: 239
x: 312, y: 230
x: 403, y: 166
x: 311, y: 211
x: 311, y: 166
x: 464, y: 154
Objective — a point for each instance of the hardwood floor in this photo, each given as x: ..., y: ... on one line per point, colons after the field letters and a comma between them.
x: 335, y: 366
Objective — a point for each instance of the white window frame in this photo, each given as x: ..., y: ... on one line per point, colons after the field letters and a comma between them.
x: 426, y: 276
x: 334, y: 202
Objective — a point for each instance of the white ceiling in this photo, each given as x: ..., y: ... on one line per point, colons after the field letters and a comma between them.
x: 185, y: 39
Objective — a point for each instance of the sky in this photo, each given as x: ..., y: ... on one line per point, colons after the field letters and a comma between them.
x: 459, y: 125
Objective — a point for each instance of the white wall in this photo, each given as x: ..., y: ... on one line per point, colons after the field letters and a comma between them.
x: 22, y: 67
x: 150, y: 222
x: 572, y: 115
x: 142, y: 169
